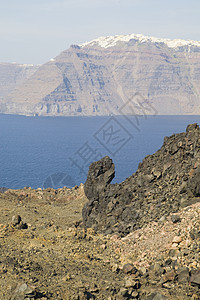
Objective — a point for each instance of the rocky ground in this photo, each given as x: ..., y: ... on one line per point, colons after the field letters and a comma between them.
x: 49, y: 251
x: 46, y: 253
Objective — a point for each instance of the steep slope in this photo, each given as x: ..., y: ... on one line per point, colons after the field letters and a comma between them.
x: 164, y: 182
x: 99, y: 77
x: 12, y: 74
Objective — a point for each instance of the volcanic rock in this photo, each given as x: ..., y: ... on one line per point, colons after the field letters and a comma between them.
x: 100, y: 175
x: 175, y: 218
x: 146, y: 195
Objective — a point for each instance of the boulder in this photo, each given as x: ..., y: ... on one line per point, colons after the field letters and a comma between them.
x: 100, y: 174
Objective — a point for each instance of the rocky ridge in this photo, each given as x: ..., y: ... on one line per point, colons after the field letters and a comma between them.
x: 163, y: 183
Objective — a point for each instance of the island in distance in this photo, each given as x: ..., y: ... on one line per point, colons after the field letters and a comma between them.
x: 99, y: 77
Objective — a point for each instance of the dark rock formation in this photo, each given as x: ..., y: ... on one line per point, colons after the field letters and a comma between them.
x: 101, y: 173
x: 164, y: 182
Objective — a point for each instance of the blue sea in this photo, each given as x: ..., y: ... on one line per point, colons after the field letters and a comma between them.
x: 57, y: 151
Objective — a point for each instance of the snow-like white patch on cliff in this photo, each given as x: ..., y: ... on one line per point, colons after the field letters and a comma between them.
x: 111, y: 41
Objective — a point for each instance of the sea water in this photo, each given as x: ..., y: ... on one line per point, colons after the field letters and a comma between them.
x: 57, y: 151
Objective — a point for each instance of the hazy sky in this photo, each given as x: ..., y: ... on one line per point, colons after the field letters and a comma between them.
x: 34, y: 31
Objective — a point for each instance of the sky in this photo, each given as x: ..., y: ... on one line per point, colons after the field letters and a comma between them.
x: 34, y: 31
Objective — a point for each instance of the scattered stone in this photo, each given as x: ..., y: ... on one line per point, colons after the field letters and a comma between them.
x: 177, y: 240
x: 169, y: 276
x: 195, y: 233
x: 168, y: 262
x: 195, y: 278
x: 173, y: 252
x: 123, y: 292
x: 130, y: 282
x: 156, y: 173
x: 175, y: 218
x: 183, y: 275
x: 16, y: 220
x: 158, y: 269
x: 162, y: 219
x: 134, y: 294
x: 21, y: 288
x: 24, y: 291
x: 21, y: 225
x: 129, y: 269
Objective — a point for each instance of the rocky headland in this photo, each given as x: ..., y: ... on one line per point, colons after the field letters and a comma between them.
x: 139, y: 239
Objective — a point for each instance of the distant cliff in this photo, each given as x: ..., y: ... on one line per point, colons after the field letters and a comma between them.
x: 12, y: 75
x: 99, y: 77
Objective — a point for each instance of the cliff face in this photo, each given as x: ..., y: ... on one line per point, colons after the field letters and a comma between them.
x: 12, y: 75
x: 99, y: 77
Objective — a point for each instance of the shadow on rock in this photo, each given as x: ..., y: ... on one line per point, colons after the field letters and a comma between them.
x: 164, y: 182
